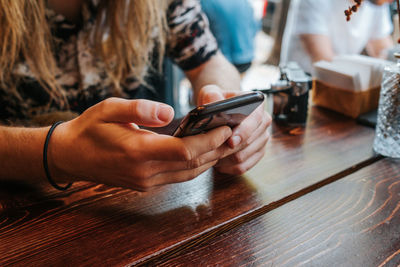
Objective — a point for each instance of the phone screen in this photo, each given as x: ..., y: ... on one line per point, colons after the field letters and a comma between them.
x: 230, y: 112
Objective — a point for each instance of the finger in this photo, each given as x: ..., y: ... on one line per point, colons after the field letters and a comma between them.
x: 158, y: 167
x: 256, y: 134
x: 261, y: 130
x: 149, y: 175
x: 209, y: 94
x: 229, y: 94
x: 142, y: 112
x: 180, y: 176
x: 228, y: 151
x: 240, y: 169
x: 162, y: 147
x: 246, y: 128
x: 246, y: 153
x: 212, y: 93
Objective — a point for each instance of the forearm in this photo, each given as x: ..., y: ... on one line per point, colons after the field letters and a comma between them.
x: 217, y: 71
x: 379, y: 47
x: 21, y: 153
x: 317, y: 46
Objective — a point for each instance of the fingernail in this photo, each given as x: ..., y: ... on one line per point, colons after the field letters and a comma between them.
x: 164, y: 112
x: 236, y: 140
x: 214, y: 96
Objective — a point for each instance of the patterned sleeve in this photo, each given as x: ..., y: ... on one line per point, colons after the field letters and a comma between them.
x: 190, y: 41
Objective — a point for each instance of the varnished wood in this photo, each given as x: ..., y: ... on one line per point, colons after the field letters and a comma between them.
x: 97, y: 225
x: 352, y: 222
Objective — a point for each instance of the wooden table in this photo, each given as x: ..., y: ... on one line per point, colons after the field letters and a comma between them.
x: 320, y: 197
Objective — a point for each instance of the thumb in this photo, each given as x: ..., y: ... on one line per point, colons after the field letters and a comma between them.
x: 210, y: 93
x: 141, y: 112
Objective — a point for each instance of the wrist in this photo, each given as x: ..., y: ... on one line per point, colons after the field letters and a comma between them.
x: 56, y: 158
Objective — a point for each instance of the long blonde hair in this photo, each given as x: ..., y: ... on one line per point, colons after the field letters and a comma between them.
x: 126, y: 32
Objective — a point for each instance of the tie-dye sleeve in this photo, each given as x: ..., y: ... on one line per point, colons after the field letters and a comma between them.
x: 190, y: 41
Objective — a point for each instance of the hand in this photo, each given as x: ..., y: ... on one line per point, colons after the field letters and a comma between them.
x: 248, y: 140
x: 105, y: 145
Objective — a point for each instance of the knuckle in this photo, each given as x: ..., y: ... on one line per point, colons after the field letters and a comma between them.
x: 145, y: 184
x: 105, y: 103
x: 134, y: 108
x: 194, y: 163
x: 143, y: 175
x: 217, y: 142
x: 238, y: 157
x: 184, y: 153
x: 141, y: 188
x: 102, y: 107
x: 140, y: 179
x: 214, y: 142
x: 247, y: 142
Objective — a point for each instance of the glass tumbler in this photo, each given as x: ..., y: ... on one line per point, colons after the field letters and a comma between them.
x: 387, y: 132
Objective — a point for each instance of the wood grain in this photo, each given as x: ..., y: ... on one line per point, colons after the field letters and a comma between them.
x: 98, y: 225
x: 352, y: 222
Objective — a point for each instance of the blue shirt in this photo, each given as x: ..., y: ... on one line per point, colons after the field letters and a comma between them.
x: 233, y: 24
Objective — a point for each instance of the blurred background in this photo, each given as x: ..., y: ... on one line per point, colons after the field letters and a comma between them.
x: 273, y: 16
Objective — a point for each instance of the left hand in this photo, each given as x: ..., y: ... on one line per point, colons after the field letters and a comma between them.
x: 248, y: 140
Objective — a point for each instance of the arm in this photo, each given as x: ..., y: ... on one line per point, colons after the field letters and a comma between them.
x: 217, y: 71
x: 24, y: 146
x: 378, y: 47
x: 105, y: 145
x: 318, y: 47
x: 21, y: 153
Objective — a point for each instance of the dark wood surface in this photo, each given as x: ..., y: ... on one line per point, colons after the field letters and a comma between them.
x: 352, y: 222
x: 98, y: 225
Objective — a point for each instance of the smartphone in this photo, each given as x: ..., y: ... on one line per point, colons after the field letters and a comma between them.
x: 230, y: 112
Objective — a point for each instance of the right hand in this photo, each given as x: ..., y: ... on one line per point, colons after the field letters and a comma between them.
x: 105, y: 145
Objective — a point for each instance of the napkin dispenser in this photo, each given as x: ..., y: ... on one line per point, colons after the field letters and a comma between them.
x: 349, y: 84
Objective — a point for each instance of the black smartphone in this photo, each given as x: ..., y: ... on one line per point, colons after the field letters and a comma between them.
x: 228, y: 112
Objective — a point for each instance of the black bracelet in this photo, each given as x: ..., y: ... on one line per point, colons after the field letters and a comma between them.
x: 46, y: 167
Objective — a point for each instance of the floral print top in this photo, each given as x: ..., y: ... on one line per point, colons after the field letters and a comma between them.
x: 82, y: 75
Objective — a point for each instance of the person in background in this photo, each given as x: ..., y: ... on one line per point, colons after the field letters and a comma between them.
x: 81, y: 61
x: 317, y: 30
x: 234, y: 26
